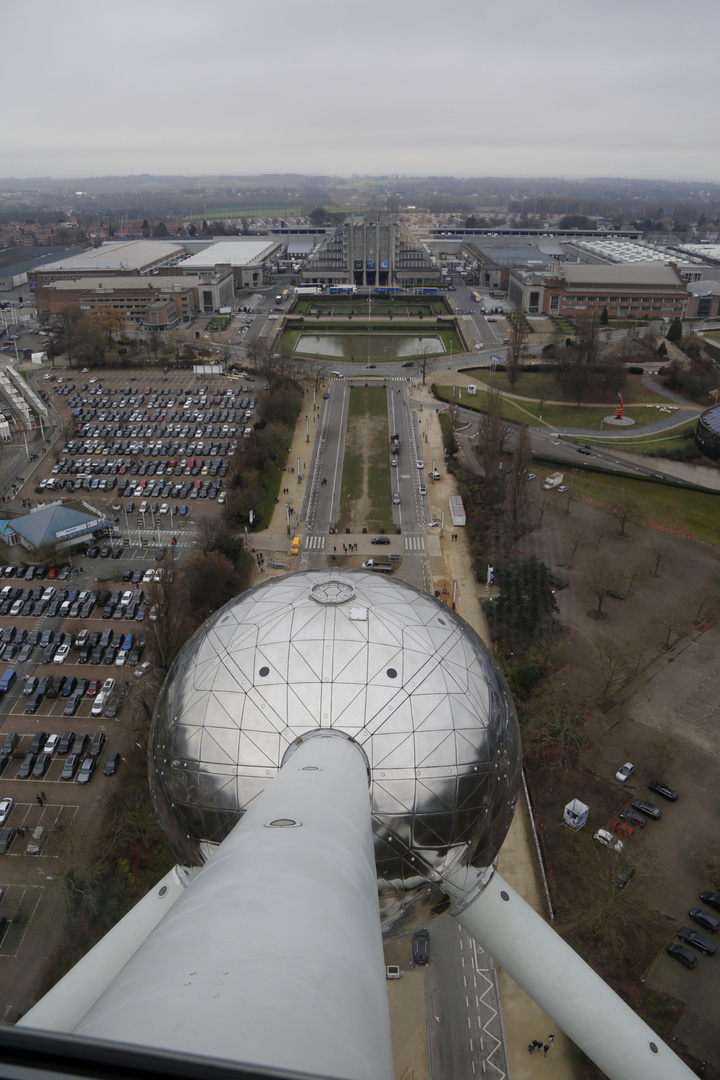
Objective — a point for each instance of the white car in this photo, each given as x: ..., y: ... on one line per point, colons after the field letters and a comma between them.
x: 148, y: 576
x: 609, y: 841
x: 142, y: 670
x: 121, y: 658
x: 61, y: 655
x: 5, y: 807
x: 108, y: 686
x: 393, y: 462
x: 420, y: 464
x: 624, y: 771
x: 159, y: 574
x: 51, y: 745
x: 562, y: 489
x: 164, y: 508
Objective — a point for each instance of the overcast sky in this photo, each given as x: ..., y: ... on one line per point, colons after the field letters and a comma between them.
x: 410, y: 87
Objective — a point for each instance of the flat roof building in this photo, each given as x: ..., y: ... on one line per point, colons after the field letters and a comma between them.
x: 183, y: 295
x: 641, y: 291
x: 125, y: 257
x: 247, y: 258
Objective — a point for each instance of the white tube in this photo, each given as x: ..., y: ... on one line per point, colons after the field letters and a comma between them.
x: 273, y: 955
x: 582, y: 1005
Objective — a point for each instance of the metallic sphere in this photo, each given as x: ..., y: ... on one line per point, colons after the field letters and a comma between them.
x: 369, y: 656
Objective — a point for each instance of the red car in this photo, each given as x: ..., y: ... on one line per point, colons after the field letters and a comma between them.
x: 93, y: 687
x: 621, y: 827
x: 53, y: 573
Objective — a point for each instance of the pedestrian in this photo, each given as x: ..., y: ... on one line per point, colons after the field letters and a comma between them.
x: 38, y: 799
x: 531, y: 1047
x: 537, y: 1044
x: 551, y: 1038
x: 334, y: 549
x: 545, y: 1048
x: 43, y: 796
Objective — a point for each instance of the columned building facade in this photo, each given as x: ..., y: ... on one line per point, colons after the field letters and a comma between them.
x: 372, y: 251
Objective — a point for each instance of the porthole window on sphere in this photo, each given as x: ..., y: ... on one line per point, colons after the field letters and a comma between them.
x: 264, y: 671
x: 442, y: 622
x: 391, y: 673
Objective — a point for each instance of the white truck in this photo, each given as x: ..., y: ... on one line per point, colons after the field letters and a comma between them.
x: 384, y: 566
x: 553, y: 481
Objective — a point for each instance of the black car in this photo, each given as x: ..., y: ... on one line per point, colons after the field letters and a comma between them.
x: 111, y: 765
x: 633, y: 818
x: 702, y: 944
x: 78, y: 747
x: 27, y: 767
x: 663, y: 789
x: 624, y: 875
x: 380, y: 540
x: 421, y: 946
x: 72, y: 704
x: 38, y: 741
x: 711, y: 898
x: 66, y: 740
x: 650, y: 810
x: 41, y: 766
x: 704, y: 919
x: 6, y: 838
x: 4, y: 762
x: 679, y: 952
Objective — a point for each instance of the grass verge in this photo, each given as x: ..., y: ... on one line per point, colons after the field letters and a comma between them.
x: 543, y: 385
x: 366, y: 466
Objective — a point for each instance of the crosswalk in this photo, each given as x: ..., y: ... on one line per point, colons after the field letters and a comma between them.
x: 318, y: 543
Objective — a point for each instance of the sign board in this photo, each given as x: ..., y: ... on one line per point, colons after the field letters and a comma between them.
x: 143, y: 543
x: 79, y: 530
x: 126, y: 542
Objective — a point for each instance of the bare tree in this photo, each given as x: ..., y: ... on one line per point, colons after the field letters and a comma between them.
x: 673, y: 621
x: 575, y: 538
x: 635, y: 572
x: 543, y: 500
x: 516, y: 340
x: 660, y: 550
x: 625, y: 512
x: 597, y: 579
x: 611, y: 660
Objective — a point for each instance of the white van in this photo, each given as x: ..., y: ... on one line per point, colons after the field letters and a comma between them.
x: 472, y: 389
x: 337, y: 374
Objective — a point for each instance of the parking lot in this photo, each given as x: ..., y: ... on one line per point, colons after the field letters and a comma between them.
x: 159, y: 447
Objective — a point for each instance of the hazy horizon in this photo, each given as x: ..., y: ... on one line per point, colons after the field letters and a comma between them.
x: 403, y: 89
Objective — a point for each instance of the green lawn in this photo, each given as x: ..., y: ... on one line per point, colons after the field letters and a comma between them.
x: 556, y: 416
x: 695, y: 513
x: 536, y: 384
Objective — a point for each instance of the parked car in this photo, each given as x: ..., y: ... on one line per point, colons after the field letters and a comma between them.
x: 6, y: 838
x: 5, y: 807
x: 661, y: 788
x: 37, y: 742
x: 698, y: 941
x: 712, y: 899
x: 380, y: 540
x: 86, y: 770
x: 26, y: 767
x: 624, y: 875
x: 96, y: 744
x: 650, y: 810
x: 608, y: 840
x: 623, y: 828
x: 71, y: 763
x: 112, y: 764
x: 66, y: 740
x: 625, y: 771
x: 679, y: 952
x: 704, y: 919
x: 638, y: 821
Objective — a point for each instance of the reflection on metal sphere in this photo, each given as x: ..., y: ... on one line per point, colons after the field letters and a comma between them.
x: 377, y: 659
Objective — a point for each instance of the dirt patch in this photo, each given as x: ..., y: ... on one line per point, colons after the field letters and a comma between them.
x: 363, y: 437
